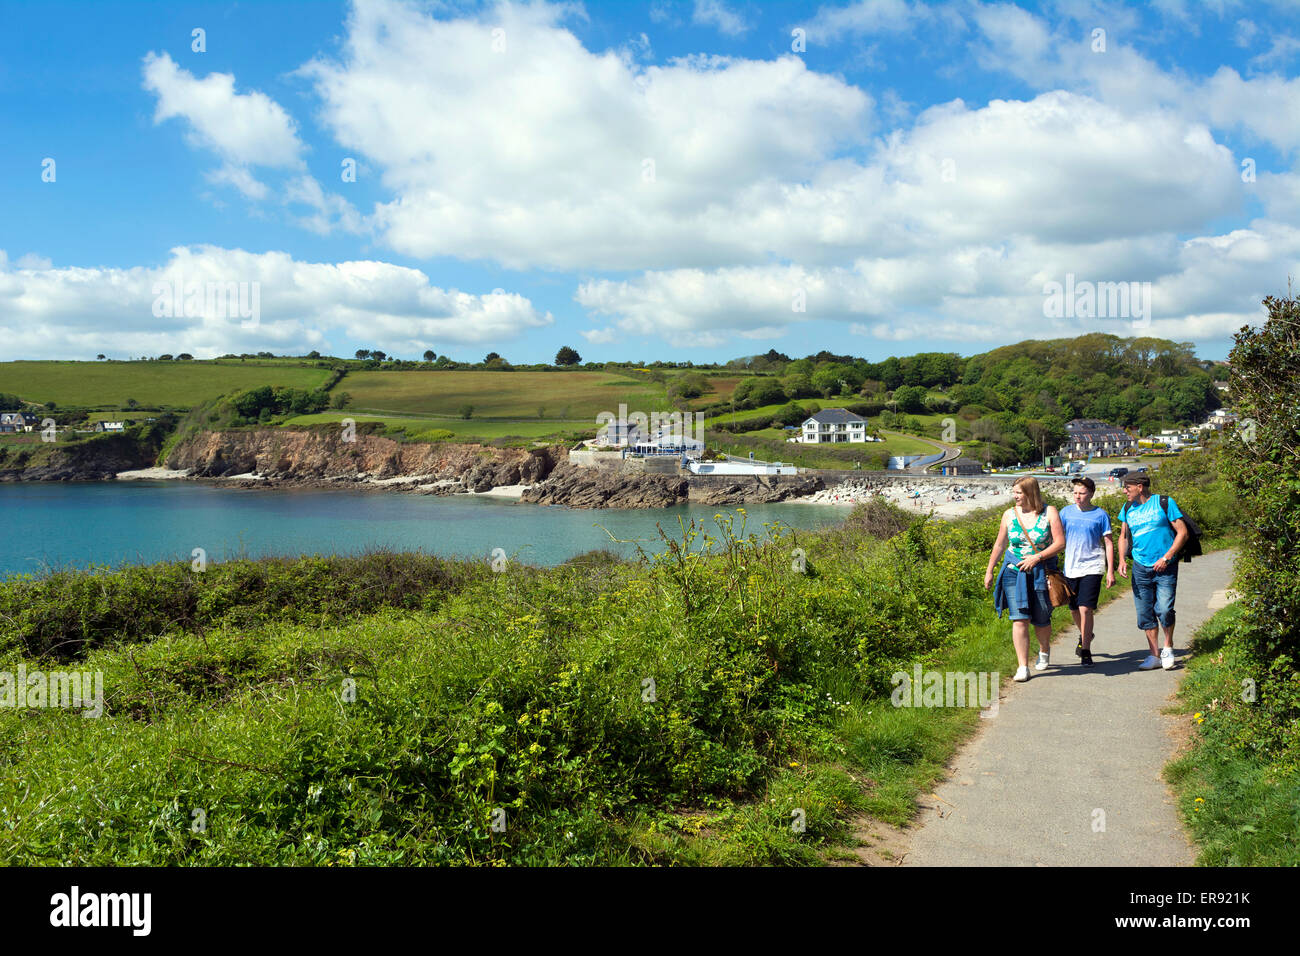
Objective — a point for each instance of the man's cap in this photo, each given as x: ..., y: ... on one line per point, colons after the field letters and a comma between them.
x: 1085, y: 481
x: 1137, y: 478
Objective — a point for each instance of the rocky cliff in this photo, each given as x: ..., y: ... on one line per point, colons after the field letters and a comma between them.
x: 283, y: 455
x: 607, y: 488
x: 95, y: 459
x: 445, y: 468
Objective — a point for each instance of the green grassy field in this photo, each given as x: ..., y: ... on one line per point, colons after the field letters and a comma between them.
x: 770, y: 444
x: 461, y: 428
x: 568, y: 395
x: 759, y: 412
x: 178, y: 384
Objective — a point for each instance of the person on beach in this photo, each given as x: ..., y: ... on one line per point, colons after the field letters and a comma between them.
x: 1156, y: 536
x: 1089, y: 551
x: 1029, y: 538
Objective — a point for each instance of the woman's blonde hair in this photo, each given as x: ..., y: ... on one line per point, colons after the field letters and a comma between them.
x: 1033, y: 496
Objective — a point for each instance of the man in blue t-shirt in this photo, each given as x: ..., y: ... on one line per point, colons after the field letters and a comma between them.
x: 1156, y: 539
x: 1088, y: 553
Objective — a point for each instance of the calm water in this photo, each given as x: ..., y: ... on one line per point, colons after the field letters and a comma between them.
x: 58, y: 525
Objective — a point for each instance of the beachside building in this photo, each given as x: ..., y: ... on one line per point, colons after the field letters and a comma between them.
x: 833, y: 425
x: 619, y: 434
x: 962, y: 466
x: 1089, y: 438
x: 669, y: 442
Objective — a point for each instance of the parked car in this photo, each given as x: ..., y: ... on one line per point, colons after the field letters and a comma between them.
x: 1118, y: 472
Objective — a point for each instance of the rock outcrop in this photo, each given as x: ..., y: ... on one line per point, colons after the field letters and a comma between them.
x: 282, y: 455
x: 96, y: 459
x: 759, y: 489
x: 607, y: 488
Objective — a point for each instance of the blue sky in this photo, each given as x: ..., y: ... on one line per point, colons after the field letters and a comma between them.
x: 699, y: 179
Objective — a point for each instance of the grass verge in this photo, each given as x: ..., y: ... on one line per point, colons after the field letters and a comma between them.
x: 1239, y: 799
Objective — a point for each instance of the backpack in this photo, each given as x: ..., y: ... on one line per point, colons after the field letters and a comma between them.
x: 1191, y: 547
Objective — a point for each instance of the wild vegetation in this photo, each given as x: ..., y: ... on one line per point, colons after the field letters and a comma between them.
x: 677, y: 710
x: 1239, y: 784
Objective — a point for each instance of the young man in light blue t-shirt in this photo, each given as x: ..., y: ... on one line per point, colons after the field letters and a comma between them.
x: 1088, y: 553
x: 1157, y: 538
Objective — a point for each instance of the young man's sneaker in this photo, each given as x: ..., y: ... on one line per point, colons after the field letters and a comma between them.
x: 1078, y: 648
x: 1167, y: 658
x: 1085, y: 657
x: 1150, y: 664
x: 1022, y: 674
x: 1042, y: 661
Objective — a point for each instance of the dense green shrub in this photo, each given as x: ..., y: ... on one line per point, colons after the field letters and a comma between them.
x: 1262, y: 461
x: 567, y: 700
x: 66, y: 613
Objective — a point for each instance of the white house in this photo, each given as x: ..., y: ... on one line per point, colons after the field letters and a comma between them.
x: 832, y: 425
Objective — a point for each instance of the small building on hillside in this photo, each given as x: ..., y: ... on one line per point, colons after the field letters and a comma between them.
x: 962, y: 466
x: 11, y: 422
x: 1218, y: 420
x: 833, y: 425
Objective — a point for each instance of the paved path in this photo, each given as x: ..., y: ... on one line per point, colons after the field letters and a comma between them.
x: 1074, y: 750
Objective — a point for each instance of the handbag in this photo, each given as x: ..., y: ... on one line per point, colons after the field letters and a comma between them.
x: 1058, y: 589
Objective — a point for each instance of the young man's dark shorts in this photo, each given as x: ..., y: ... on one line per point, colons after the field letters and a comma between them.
x: 1087, y: 590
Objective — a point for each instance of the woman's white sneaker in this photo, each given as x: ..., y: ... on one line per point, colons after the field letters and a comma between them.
x: 1022, y: 674
x: 1043, y: 661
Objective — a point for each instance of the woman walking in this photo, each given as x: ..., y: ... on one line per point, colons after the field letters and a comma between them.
x: 1029, y: 539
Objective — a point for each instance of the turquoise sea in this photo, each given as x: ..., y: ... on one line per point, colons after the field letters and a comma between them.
x: 50, y: 526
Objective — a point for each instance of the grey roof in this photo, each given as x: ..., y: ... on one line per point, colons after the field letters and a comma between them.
x: 835, y: 416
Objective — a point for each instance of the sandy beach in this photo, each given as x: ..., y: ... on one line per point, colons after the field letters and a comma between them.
x: 501, y: 491
x: 944, y: 501
x: 142, y: 474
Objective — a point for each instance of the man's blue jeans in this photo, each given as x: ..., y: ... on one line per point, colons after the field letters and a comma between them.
x: 1153, y: 593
